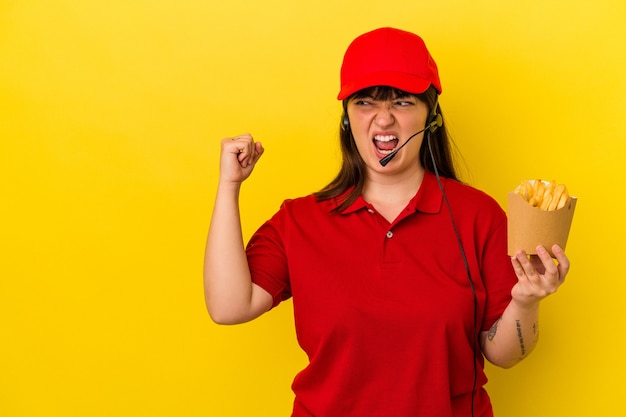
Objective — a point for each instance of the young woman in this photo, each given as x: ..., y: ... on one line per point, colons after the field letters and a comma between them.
x: 399, y: 274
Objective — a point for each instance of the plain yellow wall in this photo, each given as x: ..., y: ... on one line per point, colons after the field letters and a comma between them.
x: 110, y: 119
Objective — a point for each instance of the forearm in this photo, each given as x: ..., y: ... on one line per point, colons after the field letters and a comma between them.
x: 227, y: 283
x: 513, y: 336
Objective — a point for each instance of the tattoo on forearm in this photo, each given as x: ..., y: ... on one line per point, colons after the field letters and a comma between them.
x: 520, y: 337
x: 493, y: 330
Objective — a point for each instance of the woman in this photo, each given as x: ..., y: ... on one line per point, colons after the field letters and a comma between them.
x: 400, y: 279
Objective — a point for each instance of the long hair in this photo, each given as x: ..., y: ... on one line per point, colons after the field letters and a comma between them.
x: 351, y: 176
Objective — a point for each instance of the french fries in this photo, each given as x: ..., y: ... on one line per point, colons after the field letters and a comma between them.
x: 543, y: 194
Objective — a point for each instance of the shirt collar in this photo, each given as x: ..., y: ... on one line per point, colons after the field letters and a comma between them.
x: 427, y: 200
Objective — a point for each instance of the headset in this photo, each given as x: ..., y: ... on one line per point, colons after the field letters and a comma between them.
x: 435, y: 121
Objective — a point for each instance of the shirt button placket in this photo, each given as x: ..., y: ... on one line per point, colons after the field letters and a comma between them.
x: 390, y: 253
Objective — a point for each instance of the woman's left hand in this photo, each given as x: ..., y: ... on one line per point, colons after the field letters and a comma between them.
x: 538, y: 275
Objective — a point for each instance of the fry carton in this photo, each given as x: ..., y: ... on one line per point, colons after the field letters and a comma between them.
x: 529, y: 225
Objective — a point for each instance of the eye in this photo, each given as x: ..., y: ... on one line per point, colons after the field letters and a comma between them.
x: 403, y: 103
x: 362, y: 102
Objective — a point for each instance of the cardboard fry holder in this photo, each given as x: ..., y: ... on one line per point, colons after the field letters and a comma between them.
x: 529, y: 226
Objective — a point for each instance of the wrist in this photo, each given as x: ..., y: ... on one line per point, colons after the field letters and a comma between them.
x: 228, y: 186
x: 525, y: 303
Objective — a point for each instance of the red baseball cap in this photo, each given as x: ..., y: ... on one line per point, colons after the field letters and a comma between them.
x: 388, y: 57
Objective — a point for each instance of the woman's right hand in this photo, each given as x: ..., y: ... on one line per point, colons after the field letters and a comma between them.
x: 239, y: 156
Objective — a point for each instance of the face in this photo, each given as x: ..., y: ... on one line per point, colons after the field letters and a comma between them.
x: 380, y: 125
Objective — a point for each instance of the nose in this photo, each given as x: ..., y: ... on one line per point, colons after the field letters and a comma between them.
x: 384, y: 116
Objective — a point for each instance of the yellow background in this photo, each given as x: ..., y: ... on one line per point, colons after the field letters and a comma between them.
x: 111, y: 114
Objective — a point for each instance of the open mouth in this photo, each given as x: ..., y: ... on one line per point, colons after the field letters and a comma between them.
x: 385, y: 144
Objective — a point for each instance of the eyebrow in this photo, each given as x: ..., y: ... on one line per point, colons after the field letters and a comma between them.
x: 373, y: 97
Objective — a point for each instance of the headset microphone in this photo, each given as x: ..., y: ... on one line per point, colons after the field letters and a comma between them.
x: 432, y: 126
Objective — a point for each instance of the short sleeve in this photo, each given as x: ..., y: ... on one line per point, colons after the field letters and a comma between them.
x: 497, y: 272
x: 267, y: 258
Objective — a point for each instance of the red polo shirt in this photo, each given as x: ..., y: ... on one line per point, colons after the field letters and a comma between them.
x: 383, y: 310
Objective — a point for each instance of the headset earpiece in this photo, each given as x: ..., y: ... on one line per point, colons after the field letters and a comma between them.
x: 436, y: 123
x: 436, y: 119
x: 345, y: 123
